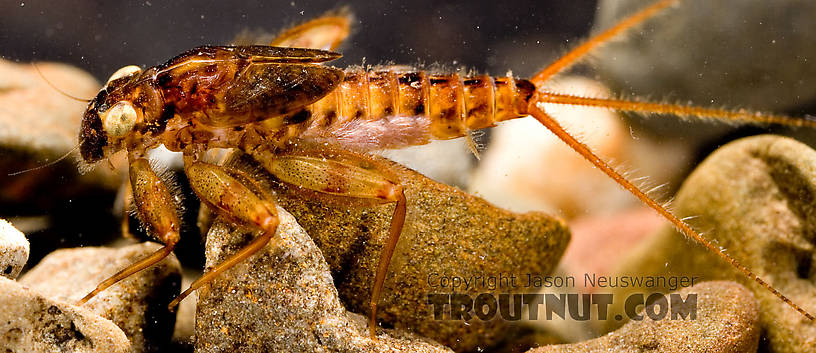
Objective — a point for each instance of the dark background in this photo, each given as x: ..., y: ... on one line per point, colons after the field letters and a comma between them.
x: 485, y: 36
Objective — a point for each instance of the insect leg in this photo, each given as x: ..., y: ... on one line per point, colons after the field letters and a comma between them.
x: 350, y: 175
x: 232, y: 195
x: 156, y: 209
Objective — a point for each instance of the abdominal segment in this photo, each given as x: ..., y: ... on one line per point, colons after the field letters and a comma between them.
x: 373, y: 110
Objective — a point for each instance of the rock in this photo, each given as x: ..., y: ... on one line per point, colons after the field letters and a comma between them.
x: 447, y: 233
x: 37, y: 125
x: 30, y: 322
x: 726, y: 321
x: 754, y: 198
x: 746, y: 54
x: 36, y: 116
x: 524, y: 338
x: 14, y: 250
x: 137, y: 304
x: 282, y: 299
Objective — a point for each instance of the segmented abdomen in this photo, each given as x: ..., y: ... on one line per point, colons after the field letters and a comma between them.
x: 389, y: 109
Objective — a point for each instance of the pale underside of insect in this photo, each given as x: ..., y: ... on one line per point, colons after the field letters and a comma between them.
x: 312, y: 126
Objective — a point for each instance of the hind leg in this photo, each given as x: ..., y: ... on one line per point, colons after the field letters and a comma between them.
x: 234, y: 195
x: 351, y: 175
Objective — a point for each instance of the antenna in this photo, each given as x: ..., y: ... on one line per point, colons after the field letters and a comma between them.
x: 55, y: 87
x: 47, y: 164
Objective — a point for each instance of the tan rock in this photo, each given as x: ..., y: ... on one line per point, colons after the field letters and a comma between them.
x: 30, y: 322
x: 753, y: 198
x: 14, y: 250
x: 726, y: 321
x: 137, y: 304
x: 282, y: 299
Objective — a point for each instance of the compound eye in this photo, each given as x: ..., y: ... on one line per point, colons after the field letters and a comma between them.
x: 126, y: 71
x: 119, y: 119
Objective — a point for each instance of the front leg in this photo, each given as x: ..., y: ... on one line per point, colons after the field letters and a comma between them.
x: 156, y: 209
x: 346, y: 174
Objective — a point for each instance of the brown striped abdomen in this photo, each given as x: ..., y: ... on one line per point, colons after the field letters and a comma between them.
x: 442, y: 106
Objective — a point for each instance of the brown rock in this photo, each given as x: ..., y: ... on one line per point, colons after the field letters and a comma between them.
x: 14, y: 249
x: 137, y: 304
x: 447, y: 233
x: 754, y: 198
x: 282, y: 299
x: 526, y: 337
x: 726, y: 321
x: 30, y: 322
